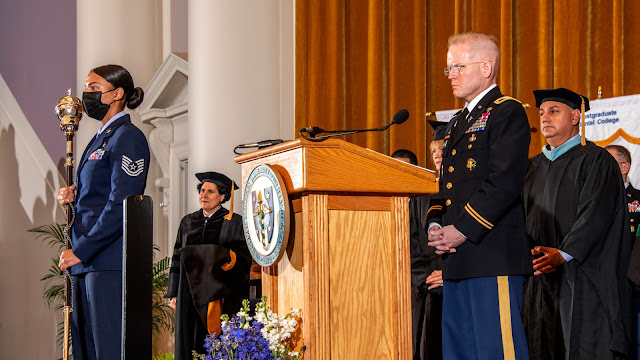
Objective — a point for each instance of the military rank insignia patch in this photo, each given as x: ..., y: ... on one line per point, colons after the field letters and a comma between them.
x: 97, y: 155
x: 132, y: 168
x: 479, y: 124
x: 634, y: 206
x: 471, y: 164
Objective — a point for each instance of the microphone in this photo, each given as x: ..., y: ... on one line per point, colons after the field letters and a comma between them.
x: 401, y: 116
x: 312, y: 131
x: 260, y: 144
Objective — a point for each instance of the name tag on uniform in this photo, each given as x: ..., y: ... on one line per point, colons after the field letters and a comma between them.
x: 97, y: 155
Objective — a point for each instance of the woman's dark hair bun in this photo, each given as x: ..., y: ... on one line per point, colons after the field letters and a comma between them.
x: 118, y: 76
x: 136, y: 98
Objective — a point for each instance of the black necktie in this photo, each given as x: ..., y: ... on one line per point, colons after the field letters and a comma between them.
x: 460, y: 123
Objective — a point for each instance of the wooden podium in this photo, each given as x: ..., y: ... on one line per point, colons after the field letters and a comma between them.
x: 347, y: 261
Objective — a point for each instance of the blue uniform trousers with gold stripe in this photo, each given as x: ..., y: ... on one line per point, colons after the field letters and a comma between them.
x: 481, y: 319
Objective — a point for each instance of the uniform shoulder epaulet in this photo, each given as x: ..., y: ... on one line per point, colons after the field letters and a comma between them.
x: 458, y: 112
x: 499, y: 101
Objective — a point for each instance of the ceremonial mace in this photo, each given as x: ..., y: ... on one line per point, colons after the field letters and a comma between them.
x: 69, y: 111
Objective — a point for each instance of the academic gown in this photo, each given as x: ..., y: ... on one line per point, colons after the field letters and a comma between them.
x: 577, y: 204
x: 198, y: 232
x: 426, y: 305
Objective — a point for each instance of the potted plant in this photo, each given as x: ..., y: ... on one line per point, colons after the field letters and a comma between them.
x: 52, y: 235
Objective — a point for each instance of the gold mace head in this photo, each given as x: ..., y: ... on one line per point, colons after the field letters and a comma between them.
x: 69, y: 111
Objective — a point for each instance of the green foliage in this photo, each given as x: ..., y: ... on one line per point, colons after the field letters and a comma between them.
x: 167, y: 356
x: 163, y: 315
x: 53, y: 236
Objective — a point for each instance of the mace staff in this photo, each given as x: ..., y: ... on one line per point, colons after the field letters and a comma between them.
x: 69, y: 111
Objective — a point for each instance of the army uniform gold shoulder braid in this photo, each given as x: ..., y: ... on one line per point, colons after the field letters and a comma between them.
x: 483, y: 169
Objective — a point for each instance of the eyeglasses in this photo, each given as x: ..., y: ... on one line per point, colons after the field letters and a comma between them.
x: 457, y: 68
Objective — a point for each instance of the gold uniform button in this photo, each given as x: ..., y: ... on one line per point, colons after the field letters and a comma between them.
x: 470, y: 146
x: 448, y: 202
x: 449, y: 187
x: 629, y: 195
x: 450, y: 168
x: 453, y: 152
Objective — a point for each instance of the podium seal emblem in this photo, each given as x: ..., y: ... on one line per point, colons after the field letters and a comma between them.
x: 265, y: 215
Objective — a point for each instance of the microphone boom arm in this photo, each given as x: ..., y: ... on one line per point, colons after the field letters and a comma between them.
x: 401, y: 116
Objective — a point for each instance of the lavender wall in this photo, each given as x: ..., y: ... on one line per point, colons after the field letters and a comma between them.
x: 38, y: 61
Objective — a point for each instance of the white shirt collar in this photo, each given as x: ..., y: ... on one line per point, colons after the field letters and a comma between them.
x: 114, y: 118
x: 477, y: 99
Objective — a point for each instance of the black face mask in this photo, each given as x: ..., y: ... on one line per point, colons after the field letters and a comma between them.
x: 93, y: 106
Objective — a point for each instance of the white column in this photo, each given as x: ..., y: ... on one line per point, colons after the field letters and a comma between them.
x: 235, y: 82
x: 121, y: 32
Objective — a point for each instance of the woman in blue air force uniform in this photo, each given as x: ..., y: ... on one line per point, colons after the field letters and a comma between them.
x: 114, y: 165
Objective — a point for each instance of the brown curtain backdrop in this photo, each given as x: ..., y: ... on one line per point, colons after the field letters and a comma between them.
x: 358, y: 62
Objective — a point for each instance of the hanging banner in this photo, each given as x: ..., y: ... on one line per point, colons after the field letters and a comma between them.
x: 612, y: 121
x: 616, y: 121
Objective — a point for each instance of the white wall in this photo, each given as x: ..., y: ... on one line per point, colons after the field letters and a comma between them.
x: 28, y: 185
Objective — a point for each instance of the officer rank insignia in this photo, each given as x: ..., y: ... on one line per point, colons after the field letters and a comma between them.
x: 634, y: 206
x: 97, y: 155
x: 132, y: 168
x: 471, y: 164
x: 479, y: 124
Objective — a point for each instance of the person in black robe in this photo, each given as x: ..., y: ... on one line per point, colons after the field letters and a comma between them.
x: 623, y: 157
x: 210, y: 267
x: 577, y: 304
x: 426, y: 273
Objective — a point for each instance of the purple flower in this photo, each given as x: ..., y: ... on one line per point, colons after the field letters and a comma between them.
x: 242, y: 338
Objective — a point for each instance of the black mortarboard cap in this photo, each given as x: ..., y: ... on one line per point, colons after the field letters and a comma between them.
x: 439, y: 129
x: 213, y: 177
x: 562, y: 95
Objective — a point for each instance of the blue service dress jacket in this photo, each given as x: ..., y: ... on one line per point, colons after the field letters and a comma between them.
x: 484, y: 163
x: 113, y: 166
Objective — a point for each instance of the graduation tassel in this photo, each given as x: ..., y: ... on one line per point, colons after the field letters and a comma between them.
x: 214, y: 311
x: 583, y: 140
x: 230, y: 214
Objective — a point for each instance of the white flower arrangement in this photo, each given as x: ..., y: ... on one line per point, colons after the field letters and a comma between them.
x: 266, y: 335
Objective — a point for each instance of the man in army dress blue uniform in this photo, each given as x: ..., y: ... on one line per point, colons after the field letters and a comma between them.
x: 480, y: 229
